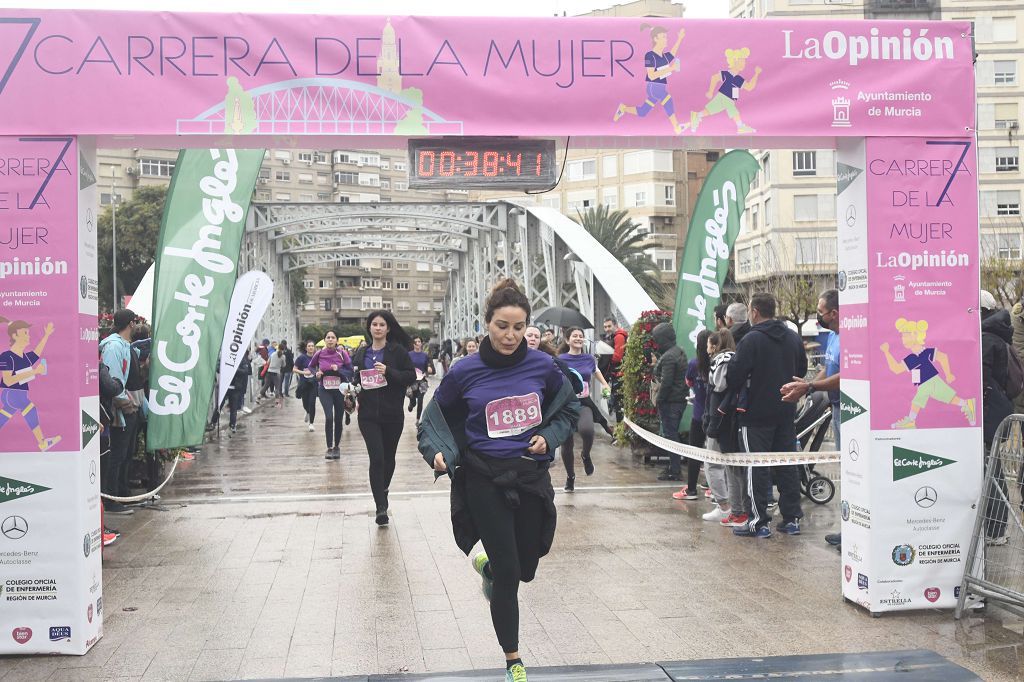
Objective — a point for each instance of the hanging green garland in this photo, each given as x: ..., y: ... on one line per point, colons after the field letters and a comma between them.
x: 637, y: 372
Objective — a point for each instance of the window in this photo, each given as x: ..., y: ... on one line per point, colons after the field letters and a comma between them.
x: 767, y: 214
x: 640, y: 198
x: 369, y: 179
x: 350, y: 262
x: 669, y: 195
x: 755, y: 258
x: 342, y: 157
x: 323, y: 196
x: 320, y: 157
x: 1007, y: 159
x: 307, y: 284
x: 309, y: 305
x: 610, y: 197
x: 325, y: 304
x: 584, y: 169
x: 609, y: 166
x: 282, y: 176
x: 402, y: 286
x: 284, y: 196
x: 305, y: 178
x: 581, y: 201
x: 1006, y: 115
x: 554, y: 202
x: 400, y: 165
x: 766, y: 163
x: 306, y: 197
x: 371, y: 302
x: 386, y: 265
x: 1007, y: 202
x: 262, y: 196
x: 160, y: 168
x: 1008, y: 246
x: 385, y: 184
x: 1005, y: 72
x: 368, y: 283
x: 805, y: 163
x: 647, y: 161
x: 386, y: 305
x: 1004, y: 29
x: 350, y: 303
x: 806, y: 250
x: 347, y: 178
x: 342, y: 199
x: 403, y: 306
x: 423, y: 286
x: 326, y: 284
x: 264, y: 174
x: 323, y: 178
x: 810, y: 207
x: 306, y: 156
x: 438, y: 287
x: 401, y: 185
x: 402, y: 265
x: 743, y: 261
x: 438, y: 306
x: 423, y: 306
x: 283, y: 155
x: 755, y: 217
x: 105, y: 198
x: 422, y: 267
x: 386, y: 285
x: 666, y: 260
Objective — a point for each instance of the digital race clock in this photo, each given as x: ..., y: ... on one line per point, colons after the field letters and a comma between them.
x: 482, y: 163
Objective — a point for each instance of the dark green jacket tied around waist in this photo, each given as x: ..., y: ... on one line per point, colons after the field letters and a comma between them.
x: 439, y: 432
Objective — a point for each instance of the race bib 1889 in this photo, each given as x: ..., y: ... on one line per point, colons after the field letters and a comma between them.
x: 371, y: 378
x: 513, y: 415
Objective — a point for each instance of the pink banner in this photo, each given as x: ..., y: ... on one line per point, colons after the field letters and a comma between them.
x: 152, y: 74
x: 39, y: 330
x: 923, y: 283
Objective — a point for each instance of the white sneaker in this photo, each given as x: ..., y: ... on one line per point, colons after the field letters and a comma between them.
x: 997, y: 542
x: 716, y: 514
x: 246, y: 410
x: 310, y: 427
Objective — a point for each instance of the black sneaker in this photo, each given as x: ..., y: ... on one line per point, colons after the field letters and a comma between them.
x: 570, y: 484
x: 117, y: 509
x: 834, y: 539
x: 329, y: 454
x: 588, y: 465
x: 382, y: 517
x: 348, y: 419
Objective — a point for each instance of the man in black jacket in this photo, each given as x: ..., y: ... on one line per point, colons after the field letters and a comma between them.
x: 996, y: 335
x: 767, y: 358
x: 670, y: 372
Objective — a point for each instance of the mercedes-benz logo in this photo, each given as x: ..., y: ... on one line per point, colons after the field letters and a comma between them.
x: 92, y: 471
x: 854, y: 450
x: 14, y: 527
x: 926, y: 497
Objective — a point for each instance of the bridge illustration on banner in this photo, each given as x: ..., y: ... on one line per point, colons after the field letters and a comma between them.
x: 326, y: 106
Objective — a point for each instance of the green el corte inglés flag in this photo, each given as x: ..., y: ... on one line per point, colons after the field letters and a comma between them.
x: 196, y: 261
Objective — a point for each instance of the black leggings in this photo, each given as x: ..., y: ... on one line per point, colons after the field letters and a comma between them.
x: 417, y: 400
x: 309, y: 394
x: 697, y: 440
x: 512, y: 539
x: 381, y: 444
x: 333, y: 402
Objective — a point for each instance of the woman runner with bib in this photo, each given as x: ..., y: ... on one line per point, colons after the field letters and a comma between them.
x: 424, y: 367
x: 586, y: 364
x: 493, y: 425
x: 383, y: 372
x: 306, y: 389
x: 333, y: 369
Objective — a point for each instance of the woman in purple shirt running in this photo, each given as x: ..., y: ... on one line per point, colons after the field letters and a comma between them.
x: 586, y: 364
x: 19, y: 366
x: 659, y: 64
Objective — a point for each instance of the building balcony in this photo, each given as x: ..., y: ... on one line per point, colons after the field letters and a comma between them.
x: 901, y: 6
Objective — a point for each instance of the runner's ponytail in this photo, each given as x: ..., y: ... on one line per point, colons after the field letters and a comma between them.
x: 506, y: 293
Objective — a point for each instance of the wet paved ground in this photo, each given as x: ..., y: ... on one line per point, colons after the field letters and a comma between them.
x: 263, y: 561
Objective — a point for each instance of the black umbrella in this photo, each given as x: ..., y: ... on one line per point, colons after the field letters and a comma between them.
x: 563, y: 317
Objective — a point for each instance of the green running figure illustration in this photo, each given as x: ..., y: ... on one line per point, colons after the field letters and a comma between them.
x: 921, y: 364
x: 728, y: 85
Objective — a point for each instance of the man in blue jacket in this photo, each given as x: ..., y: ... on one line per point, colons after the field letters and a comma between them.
x: 767, y: 358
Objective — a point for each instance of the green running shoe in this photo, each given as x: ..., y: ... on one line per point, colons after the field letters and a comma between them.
x: 480, y: 562
x: 516, y: 673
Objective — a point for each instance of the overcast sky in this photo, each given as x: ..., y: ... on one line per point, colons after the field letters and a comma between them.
x: 540, y: 8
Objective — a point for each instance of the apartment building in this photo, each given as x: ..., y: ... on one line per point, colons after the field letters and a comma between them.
x: 790, y: 218
x: 340, y: 293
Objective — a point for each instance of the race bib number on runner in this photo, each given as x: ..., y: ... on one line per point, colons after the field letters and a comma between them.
x: 915, y: 376
x: 586, y: 391
x: 371, y: 378
x: 513, y: 415
x: 420, y: 375
x: 332, y: 383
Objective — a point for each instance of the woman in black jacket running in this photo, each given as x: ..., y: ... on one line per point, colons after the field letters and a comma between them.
x: 383, y: 371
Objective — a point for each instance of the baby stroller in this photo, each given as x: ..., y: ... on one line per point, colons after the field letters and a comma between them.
x: 813, y: 417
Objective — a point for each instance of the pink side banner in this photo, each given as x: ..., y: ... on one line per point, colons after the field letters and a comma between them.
x: 923, y: 283
x: 149, y: 73
x: 39, y: 326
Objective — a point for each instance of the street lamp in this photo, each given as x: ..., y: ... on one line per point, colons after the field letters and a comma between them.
x: 113, y: 227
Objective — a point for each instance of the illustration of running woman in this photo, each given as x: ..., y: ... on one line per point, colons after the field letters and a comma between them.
x: 659, y: 65
x: 921, y: 364
x: 17, y: 369
x: 728, y: 83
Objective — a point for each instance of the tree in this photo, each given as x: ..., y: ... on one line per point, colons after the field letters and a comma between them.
x: 796, y: 288
x: 138, y: 229
x: 312, y: 332
x: 619, y: 236
x: 1001, y: 276
x: 298, y: 289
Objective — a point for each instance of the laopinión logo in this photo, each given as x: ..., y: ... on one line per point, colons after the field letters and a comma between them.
x: 903, y: 555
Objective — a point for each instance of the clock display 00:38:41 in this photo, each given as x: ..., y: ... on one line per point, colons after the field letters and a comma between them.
x: 488, y: 163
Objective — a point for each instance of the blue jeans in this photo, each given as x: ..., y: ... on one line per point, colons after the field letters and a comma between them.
x: 670, y: 415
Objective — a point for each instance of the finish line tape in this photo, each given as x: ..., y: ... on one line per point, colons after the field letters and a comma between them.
x: 752, y: 459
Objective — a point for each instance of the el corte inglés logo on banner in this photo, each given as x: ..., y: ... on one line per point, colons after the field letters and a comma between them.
x: 89, y: 428
x: 848, y: 408
x: 907, y: 463
x: 11, y: 489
